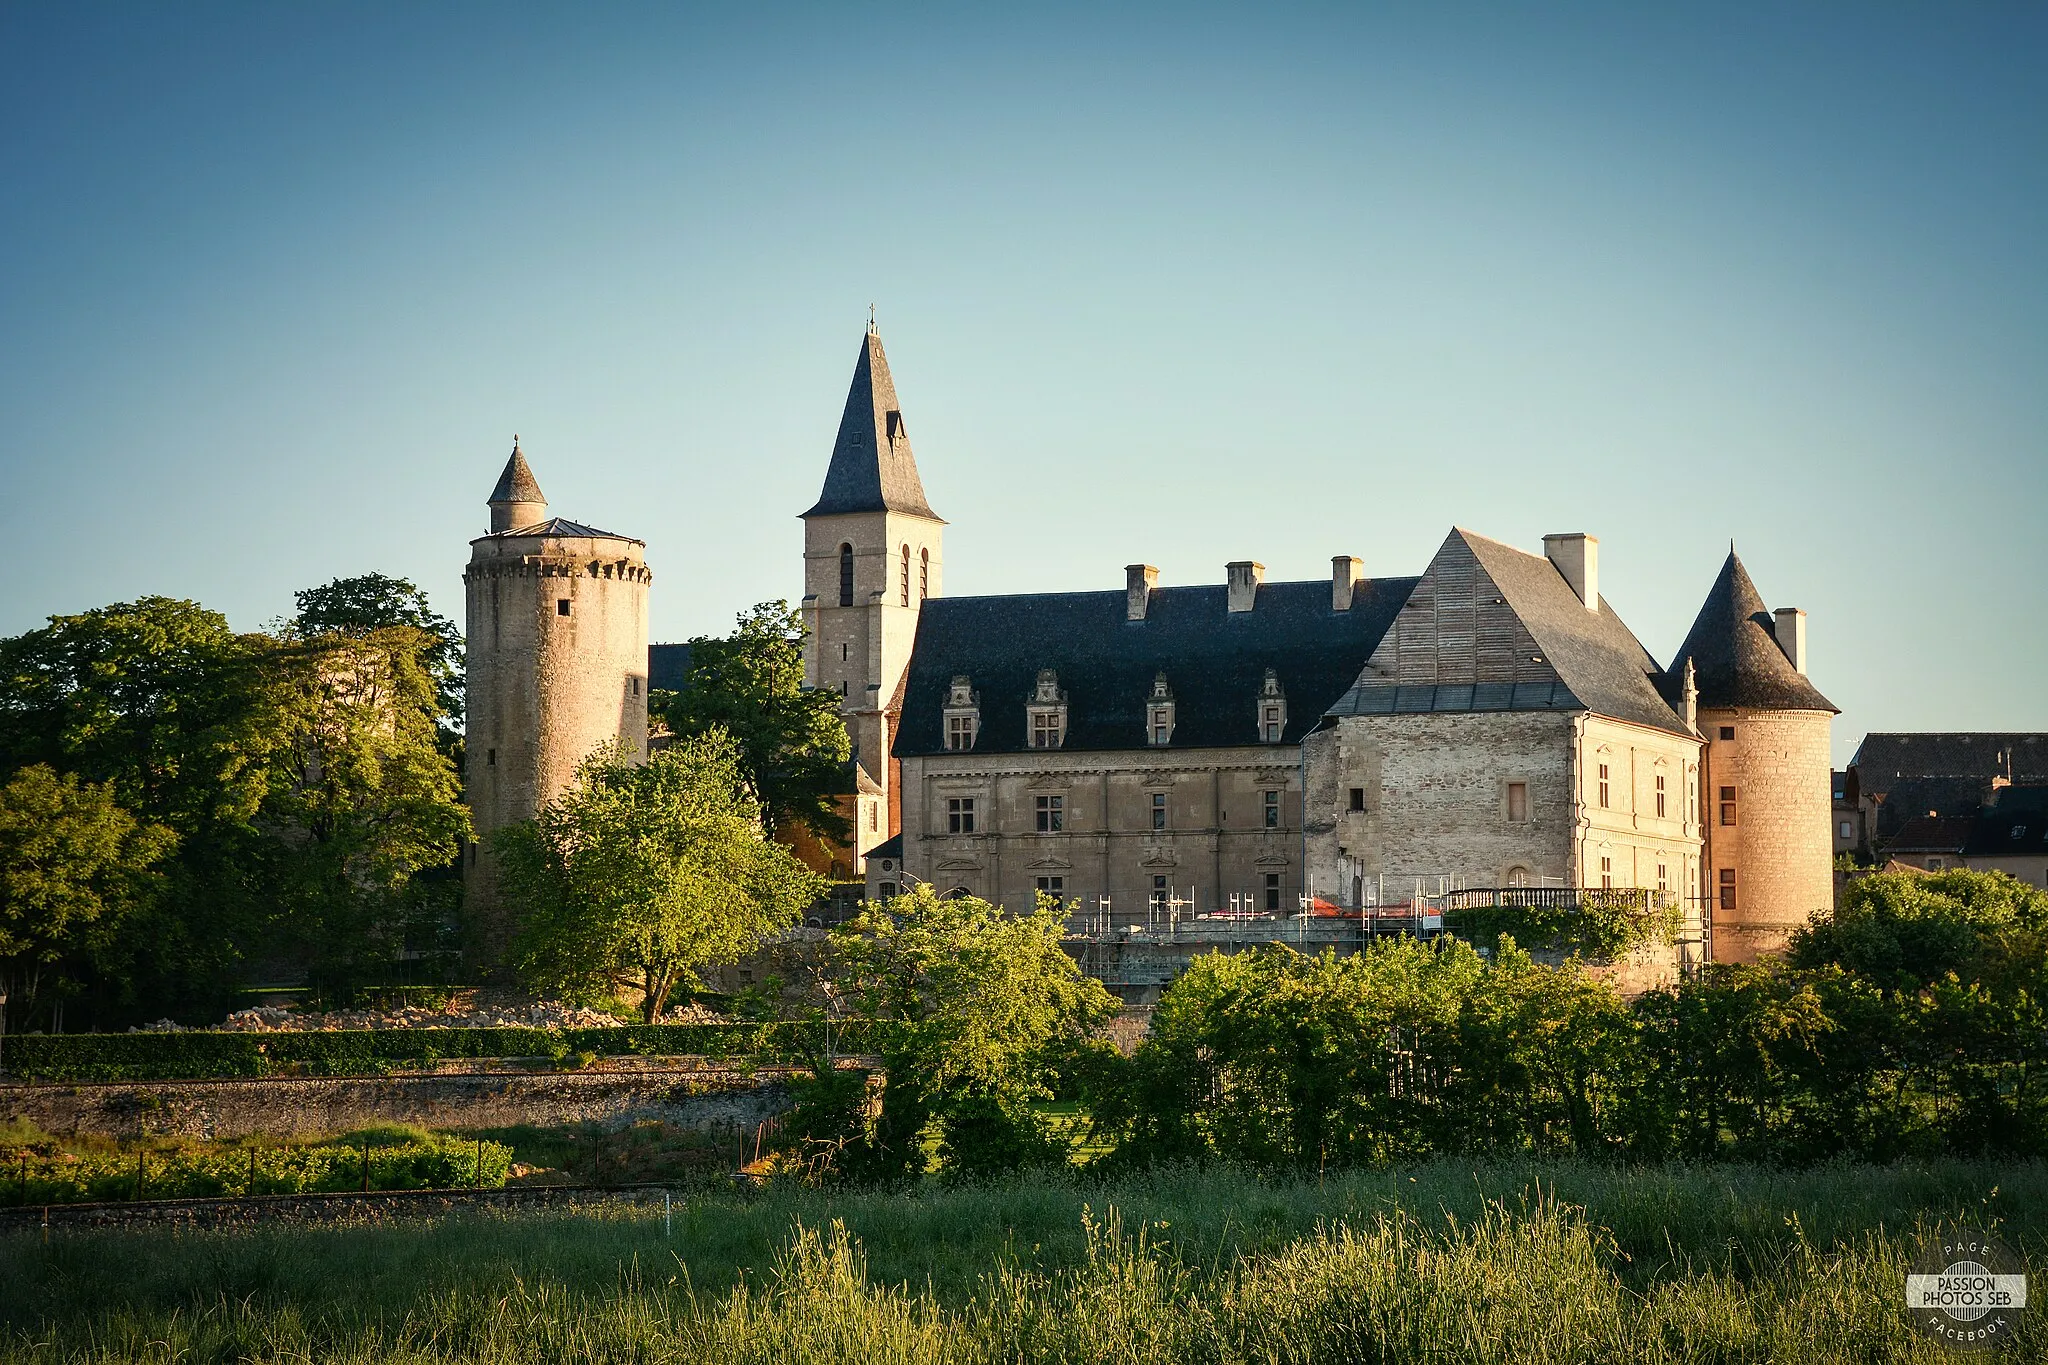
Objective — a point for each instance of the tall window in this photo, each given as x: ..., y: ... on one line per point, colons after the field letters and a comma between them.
x: 1055, y: 887
x: 1660, y: 796
x: 1162, y: 724
x: 1045, y: 729
x: 1606, y: 873
x: 1727, y: 888
x: 1159, y: 810
x: 1272, y: 890
x: 1727, y: 805
x: 924, y: 574
x: 959, y: 815
x: 903, y: 582
x: 1663, y: 876
x: 1270, y: 803
x: 959, y: 732
x: 874, y: 815
x: 1269, y: 724
x: 1160, y: 896
x: 1051, y: 812
x: 1603, y: 786
x: 1358, y: 798
x: 1518, y: 802
x: 846, y: 575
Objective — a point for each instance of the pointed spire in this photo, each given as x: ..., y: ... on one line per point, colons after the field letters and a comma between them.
x: 517, y: 500
x: 1734, y: 651
x: 872, y: 469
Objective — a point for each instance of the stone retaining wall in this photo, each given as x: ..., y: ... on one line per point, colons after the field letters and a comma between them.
x: 301, y: 1106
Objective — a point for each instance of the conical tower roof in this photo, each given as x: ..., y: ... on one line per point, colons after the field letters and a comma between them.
x: 1734, y: 650
x: 517, y: 483
x: 872, y: 468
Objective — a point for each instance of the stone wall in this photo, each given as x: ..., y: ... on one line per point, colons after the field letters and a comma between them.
x: 1781, y: 845
x: 295, y: 1106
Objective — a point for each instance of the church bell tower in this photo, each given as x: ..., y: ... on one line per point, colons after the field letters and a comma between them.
x: 872, y: 554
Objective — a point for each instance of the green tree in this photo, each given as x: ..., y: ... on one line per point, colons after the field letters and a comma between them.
x: 983, y: 1002
x: 792, y: 744
x: 373, y: 603
x: 643, y: 876
x: 74, y: 869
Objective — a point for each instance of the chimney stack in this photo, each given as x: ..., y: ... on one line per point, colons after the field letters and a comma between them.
x: 1243, y: 577
x: 1345, y: 576
x: 1577, y: 556
x: 1789, y: 625
x: 1139, y: 580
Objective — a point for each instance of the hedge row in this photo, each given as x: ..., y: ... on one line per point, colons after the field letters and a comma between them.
x: 29, y: 1177
x: 208, y: 1056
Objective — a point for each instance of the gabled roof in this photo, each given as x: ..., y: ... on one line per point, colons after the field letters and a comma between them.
x: 1883, y: 758
x: 1493, y: 628
x: 2015, y: 832
x: 1932, y: 834
x: 872, y: 469
x: 1733, y: 646
x: 562, y: 529
x: 1214, y: 659
x: 517, y: 483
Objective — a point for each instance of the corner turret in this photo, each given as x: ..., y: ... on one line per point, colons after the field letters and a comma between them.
x: 517, y: 500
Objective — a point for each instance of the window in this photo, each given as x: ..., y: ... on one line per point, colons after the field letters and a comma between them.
x: 1159, y: 712
x: 1663, y: 876
x: 1159, y: 810
x: 959, y: 815
x: 959, y: 732
x: 1848, y: 830
x: 924, y: 574
x: 1162, y: 724
x: 904, y: 581
x: 1271, y: 803
x: 842, y: 687
x: 846, y: 575
x: 1603, y: 787
x: 636, y: 687
x: 1358, y: 798
x: 887, y: 890
x: 1272, y: 890
x: 1518, y: 876
x: 490, y: 758
x: 1047, y: 708
x: 1051, y: 814
x: 874, y: 815
x: 1272, y: 709
x: 1045, y: 729
x: 1269, y: 724
x: 1055, y: 887
x: 845, y: 653
x: 1606, y: 873
x: 1934, y: 864
x: 1160, y: 895
x: 1727, y: 732
x: 1660, y: 796
x: 561, y: 606
x: 1727, y: 888
x: 1518, y: 802
x: 1727, y: 805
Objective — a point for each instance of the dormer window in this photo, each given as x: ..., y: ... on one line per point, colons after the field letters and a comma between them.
x: 963, y: 714
x: 1159, y: 713
x: 1272, y: 710
x: 1046, y: 712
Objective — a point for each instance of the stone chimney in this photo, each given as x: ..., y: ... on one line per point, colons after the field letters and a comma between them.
x: 1244, y: 577
x: 1577, y: 556
x: 1139, y: 580
x: 1789, y: 625
x: 1346, y: 573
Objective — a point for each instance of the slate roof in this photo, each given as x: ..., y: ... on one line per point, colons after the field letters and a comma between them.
x: 668, y: 667
x: 517, y: 483
x: 872, y: 469
x: 890, y: 848
x: 562, y: 528
x: 1599, y: 663
x: 1733, y: 645
x: 2017, y: 832
x: 1215, y: 661
x: 1933, y: 834
x: 1883, y: 758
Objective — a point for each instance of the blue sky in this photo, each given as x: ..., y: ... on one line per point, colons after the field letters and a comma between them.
x: 1180, y: 284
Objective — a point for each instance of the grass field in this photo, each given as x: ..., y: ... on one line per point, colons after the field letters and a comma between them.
x: 1447, y: 1261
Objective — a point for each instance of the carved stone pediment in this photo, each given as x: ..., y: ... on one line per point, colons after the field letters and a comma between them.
x: 1274, y: 777
x: 1159, y: 779
x: 1051, y: 861
x: 1158, y: 856
x: 1271, y: 860
x: 958, y: 862
x: 1051, y: 781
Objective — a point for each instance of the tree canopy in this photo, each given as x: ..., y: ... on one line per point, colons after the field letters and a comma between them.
x: 641, y: 876
x: 790, y: 742
x: 372, y: 603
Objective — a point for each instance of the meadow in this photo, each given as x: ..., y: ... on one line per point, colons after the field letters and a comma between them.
x: 1496, y: 1261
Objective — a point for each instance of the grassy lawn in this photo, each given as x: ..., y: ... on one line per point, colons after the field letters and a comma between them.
x: 1443, y: 1261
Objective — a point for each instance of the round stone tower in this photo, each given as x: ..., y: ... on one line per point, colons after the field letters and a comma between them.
x: 1764, y: 793
x: 556, y: 665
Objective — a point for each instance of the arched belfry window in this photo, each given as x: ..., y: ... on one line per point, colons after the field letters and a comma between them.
x: 846, y: 575
x: 924, y: 574
x: 904, y: 600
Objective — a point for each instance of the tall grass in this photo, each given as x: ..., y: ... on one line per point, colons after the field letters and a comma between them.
x: 1535, y: 1262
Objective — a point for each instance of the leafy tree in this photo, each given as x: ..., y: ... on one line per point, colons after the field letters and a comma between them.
x: 373, y: 603
x: 792, y: 744
x: 984, y: 1001
x: 642, y: 876
x: 74, y: 868
x: 1905, y: 930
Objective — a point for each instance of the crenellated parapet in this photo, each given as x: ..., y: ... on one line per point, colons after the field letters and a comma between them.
x: 557, y: 566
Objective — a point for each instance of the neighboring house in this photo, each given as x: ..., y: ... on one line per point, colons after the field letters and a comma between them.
x: 1851, y: 824
x: 1932, y: 843
x: 1900, y: 777
x: 2011, y: 835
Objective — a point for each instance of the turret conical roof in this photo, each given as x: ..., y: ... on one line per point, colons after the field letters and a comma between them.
x: 1733, y: 646
x: 517, y: 483
x: 872, y: 468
